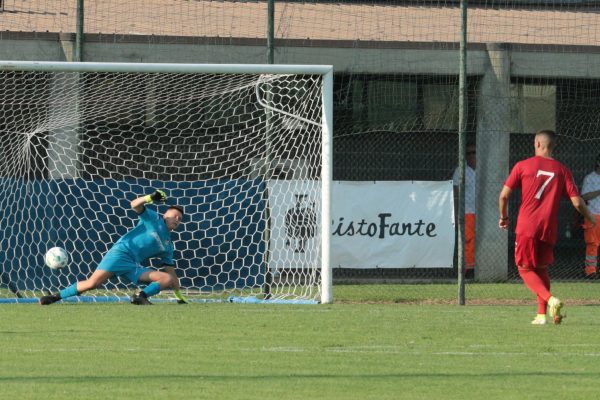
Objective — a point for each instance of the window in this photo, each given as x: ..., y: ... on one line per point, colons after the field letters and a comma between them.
x: 533, y: 107
x: 440, y: 107
x: 392, y: 105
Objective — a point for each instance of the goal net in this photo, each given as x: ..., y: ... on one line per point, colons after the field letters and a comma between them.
x: 242, y: 148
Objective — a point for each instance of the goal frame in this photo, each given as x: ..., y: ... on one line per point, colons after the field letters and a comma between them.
x: 326, y: 113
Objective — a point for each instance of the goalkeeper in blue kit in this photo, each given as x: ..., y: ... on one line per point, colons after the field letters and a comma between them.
x: 150, y: 238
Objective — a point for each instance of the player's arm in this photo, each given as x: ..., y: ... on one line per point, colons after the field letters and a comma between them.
x: 503, y: 207
x: 579, y: 204
x: 587, y: 191
x: 590, y: 195
x: 157, y: 197
x: 170, y: 269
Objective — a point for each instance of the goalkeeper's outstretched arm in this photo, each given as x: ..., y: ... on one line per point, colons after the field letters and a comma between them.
x: 157, y: 197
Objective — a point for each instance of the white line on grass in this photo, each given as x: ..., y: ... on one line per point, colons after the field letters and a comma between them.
x: 86, y: 349
x: 402, y: 351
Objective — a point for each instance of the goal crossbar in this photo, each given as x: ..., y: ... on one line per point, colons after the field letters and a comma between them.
x: 62, y: 66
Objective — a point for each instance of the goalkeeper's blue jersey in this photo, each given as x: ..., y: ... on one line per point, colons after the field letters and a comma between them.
x: 150, y: 238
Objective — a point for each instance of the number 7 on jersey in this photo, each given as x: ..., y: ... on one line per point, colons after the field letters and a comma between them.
x: 550, y: 176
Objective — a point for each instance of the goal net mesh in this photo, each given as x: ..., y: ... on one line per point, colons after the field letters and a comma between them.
x: 241, y: 153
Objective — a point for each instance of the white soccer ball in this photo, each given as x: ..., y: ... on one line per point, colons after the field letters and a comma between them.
x: 56, y: 258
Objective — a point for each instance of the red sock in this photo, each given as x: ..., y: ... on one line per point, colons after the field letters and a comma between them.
x: 537, y: 285
x: 545, y: 278
x: 543, y: 274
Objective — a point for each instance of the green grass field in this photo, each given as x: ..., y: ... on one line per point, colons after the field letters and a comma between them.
x: 395, y: 348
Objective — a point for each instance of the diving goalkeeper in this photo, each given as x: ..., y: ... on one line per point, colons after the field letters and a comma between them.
x: 150, y: 238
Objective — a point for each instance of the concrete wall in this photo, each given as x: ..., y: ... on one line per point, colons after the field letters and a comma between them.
x: 374, y: 57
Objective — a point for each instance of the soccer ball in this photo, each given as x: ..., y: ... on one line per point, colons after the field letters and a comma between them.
x: 56, y: 258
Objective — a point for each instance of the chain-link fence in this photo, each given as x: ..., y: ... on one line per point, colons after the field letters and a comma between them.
x: 532, y: 64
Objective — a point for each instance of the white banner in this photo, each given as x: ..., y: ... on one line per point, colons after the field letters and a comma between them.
x: 406, y: 224
x: 392, y: 225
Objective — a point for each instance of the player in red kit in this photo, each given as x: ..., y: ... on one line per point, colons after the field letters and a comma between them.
x: 543, y: 182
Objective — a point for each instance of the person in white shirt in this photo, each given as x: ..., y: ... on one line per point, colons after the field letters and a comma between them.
x: 469, y: 208
x: 590, y: 192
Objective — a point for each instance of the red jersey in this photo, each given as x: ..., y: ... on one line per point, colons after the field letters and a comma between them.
x: 543, y: 181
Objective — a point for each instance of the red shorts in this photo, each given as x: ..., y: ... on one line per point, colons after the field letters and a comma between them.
x: 531, y: 253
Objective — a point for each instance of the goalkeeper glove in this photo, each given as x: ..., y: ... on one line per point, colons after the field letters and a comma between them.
x: 180, y: 298
x: 157, y: 197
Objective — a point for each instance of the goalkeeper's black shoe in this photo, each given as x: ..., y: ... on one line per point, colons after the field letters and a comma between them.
x: 140, y: 299
x: 51, y: 298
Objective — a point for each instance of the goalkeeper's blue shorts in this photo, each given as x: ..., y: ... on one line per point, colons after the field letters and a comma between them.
x: 120, y: 262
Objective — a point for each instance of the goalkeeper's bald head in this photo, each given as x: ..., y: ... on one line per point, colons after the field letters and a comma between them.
x: 178, y: 208
x: 173, y: 216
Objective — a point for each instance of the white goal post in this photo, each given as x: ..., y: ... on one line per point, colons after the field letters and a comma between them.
x: 246, y: 150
